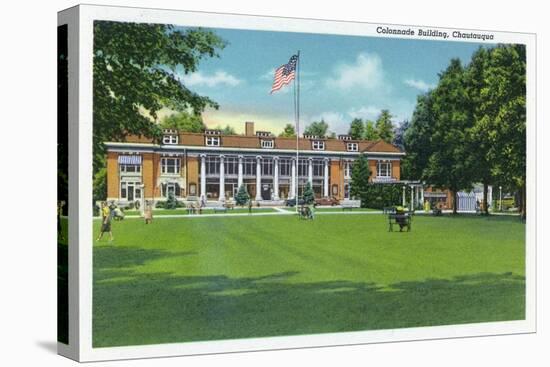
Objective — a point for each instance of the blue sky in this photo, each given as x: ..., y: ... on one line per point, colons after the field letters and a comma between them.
x: 342, y: 77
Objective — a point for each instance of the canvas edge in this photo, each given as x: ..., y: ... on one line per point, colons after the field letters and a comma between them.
x: 81, y: 318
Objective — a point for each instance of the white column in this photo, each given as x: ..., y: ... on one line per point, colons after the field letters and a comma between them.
x: 240, y: 174
x: 403, y: 204
x: 203, y: 176
x: 310, y: 171
x: 422, y: 195
x: 258, y: 178
x: 222, y: 178
x: 293, y: 188
x: 325, y: 186
x: 413, y: 188
x: 275, y: 178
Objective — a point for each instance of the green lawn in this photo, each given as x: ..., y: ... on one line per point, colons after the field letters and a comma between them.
x: 182, y: 279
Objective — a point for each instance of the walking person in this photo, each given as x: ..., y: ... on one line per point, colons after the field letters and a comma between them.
x: 106, y: 221
x: 148, y: 212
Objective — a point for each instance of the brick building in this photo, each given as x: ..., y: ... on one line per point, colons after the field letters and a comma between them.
x: 214, y: 166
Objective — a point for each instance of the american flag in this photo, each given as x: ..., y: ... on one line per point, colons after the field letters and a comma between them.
x: 284, y: 74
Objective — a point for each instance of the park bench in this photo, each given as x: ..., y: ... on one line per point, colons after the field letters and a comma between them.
x: 229, y: 205
x: 437, y: 211
x: 220, y: 209
x: 402, y: 220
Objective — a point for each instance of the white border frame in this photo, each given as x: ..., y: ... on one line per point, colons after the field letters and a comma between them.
x: 80, y: 22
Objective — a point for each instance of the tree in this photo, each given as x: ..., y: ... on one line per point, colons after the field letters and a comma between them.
x: 135, y: 69
x: 288, y: 132
x: 317, y: 128
x: 357, y: 129
x: 184, y: 121
x: 418, y: 139
x: 309, y: 196
x: 360, y: 174
x: 370, y: 131
x: 449, y: 164
x: 384, y: 126
x: 242, y: 196
x: 498, y: 89
x: 227, y: 130
x: 399, y: 138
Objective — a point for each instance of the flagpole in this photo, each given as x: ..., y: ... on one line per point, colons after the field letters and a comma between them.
x: 297, y: 117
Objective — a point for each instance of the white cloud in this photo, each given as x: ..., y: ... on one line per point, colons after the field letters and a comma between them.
x: 366, y: 112
x: 419, y: 84
x: 268, y: 75
x: 367, y: 73
x: 220, y: 77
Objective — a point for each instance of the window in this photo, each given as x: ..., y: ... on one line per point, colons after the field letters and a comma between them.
x: 267, y: 144
x: 130, y: 168
x: 213, y: 141
x: 285, y: 167
x: 318, y: 168
x: 347, y: 169
x: 303, y: 167
x: 231, y: 165
x: 318, y: 145
x: 170, y: 165
x: 130, y: 190
x: 267, y: 167
x: 212, y: 165
x: 170, y: 139
x: 384, y: 169
x: 170, y: 188
x: 250, y: 166
x: 353, y: 147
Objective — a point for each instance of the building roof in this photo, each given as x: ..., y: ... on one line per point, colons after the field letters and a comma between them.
x: 339, y: 144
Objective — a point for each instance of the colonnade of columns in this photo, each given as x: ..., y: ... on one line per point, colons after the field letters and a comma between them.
x: 240, y: 174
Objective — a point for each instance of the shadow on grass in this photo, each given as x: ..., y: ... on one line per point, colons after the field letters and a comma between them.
x: 132, y: 308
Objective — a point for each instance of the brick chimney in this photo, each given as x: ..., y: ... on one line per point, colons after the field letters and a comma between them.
x: 249, y: 128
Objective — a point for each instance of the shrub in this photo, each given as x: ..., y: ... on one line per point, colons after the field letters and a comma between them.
x: 381, y: 195
x: 309, y: 196
x: 242, y: 196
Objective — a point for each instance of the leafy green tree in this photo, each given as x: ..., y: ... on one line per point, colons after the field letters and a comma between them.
x: 288, y: 131
x: 449, y: 164
x: 309, y: 196
x: 370, y: 131
x: 384, y: 126
x: 317, y: 128
x: 357, y: 129
x: 184, y: 121
x: 418, y: 139
x: 360, y: 174
x: 498, y: 137
x: 242, y: 196
x: 135, y: 69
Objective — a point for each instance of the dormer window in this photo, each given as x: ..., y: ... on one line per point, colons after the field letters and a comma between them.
x: 170, y: 139
x: 267, y: 144
x: 213, y: 141
x: 318, y: 145
x: 353, y: 147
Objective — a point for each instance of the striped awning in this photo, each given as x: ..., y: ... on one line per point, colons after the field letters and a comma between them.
x: 129, y: 159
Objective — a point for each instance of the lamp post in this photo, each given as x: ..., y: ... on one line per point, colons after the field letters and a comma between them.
x: 500, y: 198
